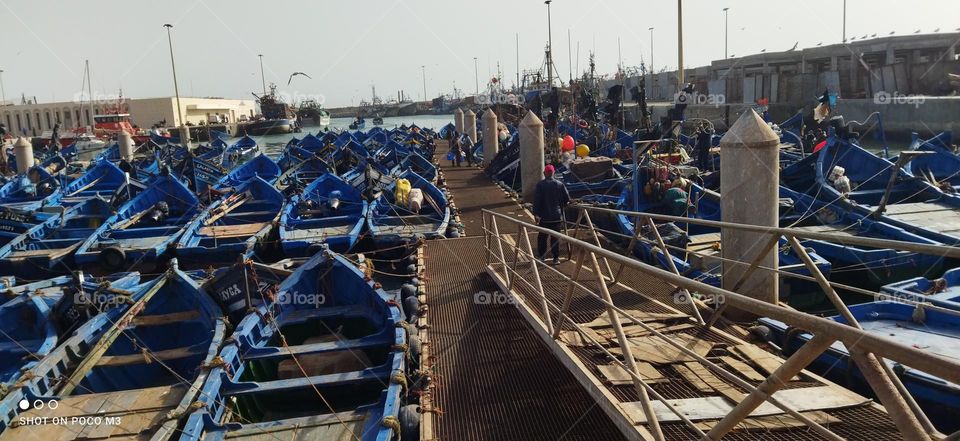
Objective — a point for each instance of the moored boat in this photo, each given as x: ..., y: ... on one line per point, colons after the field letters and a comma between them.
x: 327, y: 364
x: 329, y: 211
x: 398, y: 216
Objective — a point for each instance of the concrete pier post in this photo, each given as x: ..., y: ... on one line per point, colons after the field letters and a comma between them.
x: 470, y: 125
x: 531, y: 154
x: 491, y: 140
x: 185, y: 135
x: 126, y: 145
x: 749, y: 188
x: 458, y: 120
x: 23, y: 149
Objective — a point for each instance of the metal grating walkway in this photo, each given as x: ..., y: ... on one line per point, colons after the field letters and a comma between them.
x: 494, y: 379
x: 473, y: 191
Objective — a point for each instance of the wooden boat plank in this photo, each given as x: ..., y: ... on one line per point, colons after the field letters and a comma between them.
x: 715, y: 408
x: 832, y: 229
x: 775, y: 422
x: 652, y: 349
x: 706, y: 381
x: 325, y: 427
x: 169, y: 354
x: 311, y: 233
x: 225, y: 231
x: 155, y: 320
x: 917, y: 207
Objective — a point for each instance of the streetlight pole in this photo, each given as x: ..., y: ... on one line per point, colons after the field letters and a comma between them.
x: 549, y: 44
x: 263, y: 79
x: 476, y: 76
x: 423, y: 70
x: 176, y: 89
x: 653, y: 67
x: 679, y: 44
x: 3, y: 93
x: 844, y: 21
x: 726, y: 31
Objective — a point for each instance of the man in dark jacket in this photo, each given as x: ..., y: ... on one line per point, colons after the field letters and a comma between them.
x: 549, y: 200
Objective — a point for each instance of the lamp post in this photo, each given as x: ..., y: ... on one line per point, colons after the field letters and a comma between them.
x: 726, y: 30
x: 844, y: 21
x: 476, y: 76
x: 173, y: 66
x: 263, y: 79
x: 679, y: 44
x: 3, y: 94
x: 653, y: 67
x: 423, y: 71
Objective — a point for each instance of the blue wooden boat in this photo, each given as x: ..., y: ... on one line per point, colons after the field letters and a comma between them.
x: 31, y: 191
x: 259, y: 166
x: 943, y: 292
x: 35, y: 317
x: 99, y: 181
x: 420, y: 165
x: 329, y: 211
x: 47, y: 248
x: 702, y: 244
x: 142, y: 229
x: 941, y: 166
x: 14, y: 222
x: 234, y: 226
x: 145, y: 366
x: 390, y: 221
x: 913, y: 204
x: 307, y: 168
x: 334, y: 376
x: 862, y: 265
x: 932, y: 331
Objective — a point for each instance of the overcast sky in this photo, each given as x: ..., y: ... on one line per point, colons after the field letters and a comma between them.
x: 346, y: 46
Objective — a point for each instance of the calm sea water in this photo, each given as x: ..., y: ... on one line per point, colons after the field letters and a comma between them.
x: 273, y: 144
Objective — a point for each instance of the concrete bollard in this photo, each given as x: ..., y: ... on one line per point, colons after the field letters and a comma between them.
x: 23, y: 150
x: 184, y: 136
x: 491, y: 140
x: 458, y: 120
x: 470, y: 125
x: 531, y: 154
x: 126, y: 145
x: 749, y: 189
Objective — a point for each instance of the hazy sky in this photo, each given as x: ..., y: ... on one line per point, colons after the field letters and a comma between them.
x: 348, y: 45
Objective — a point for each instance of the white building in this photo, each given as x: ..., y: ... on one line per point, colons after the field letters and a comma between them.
x: 34, y: 119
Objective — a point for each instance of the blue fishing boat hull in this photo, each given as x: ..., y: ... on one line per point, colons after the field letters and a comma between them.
x: 347, y: 339
x: 937, y: 332
x: 309, y: 222
x: 390, y: 223
x: 943, y: 292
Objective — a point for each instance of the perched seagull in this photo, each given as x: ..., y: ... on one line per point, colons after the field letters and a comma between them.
x: 853, y: 38
x: 864, y: 37
x: 763, y: 50
x: 892, y: 32
x: 820, y: 43
x: 295, y: 74
x: 916, y: 31
x: 794, y: 47
x: 873, y: 36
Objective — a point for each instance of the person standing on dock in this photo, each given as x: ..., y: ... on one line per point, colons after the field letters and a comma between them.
x: 550, y: 199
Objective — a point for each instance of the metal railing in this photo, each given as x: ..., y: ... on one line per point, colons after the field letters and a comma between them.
x: 867, y: 350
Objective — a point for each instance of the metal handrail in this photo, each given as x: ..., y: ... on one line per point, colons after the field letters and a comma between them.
x: 865, y: 348
x: 938, y: 250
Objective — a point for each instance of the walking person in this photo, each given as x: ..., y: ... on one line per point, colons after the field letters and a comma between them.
x: 550, y: 199
x: 468, y: 150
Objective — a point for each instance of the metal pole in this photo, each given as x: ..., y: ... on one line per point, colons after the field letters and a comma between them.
x: 423, y: 70
x: 263, y: 79
x: 518, y: 61
x: 844, y: 21
x: 3, y: 93
x: 176, y: 89
x: 549, y: 44
x: 653, y: 67
x: 476, y: 76
x: 679, y: 44
x: 726, y: 32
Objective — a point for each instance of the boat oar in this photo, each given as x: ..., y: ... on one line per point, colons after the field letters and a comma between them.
x: 96, y: 353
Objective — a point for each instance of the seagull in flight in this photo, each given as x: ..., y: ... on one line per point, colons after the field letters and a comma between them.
x: 295, y: 74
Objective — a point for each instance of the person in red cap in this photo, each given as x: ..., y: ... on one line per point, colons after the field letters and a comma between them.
x: 549, y: 201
